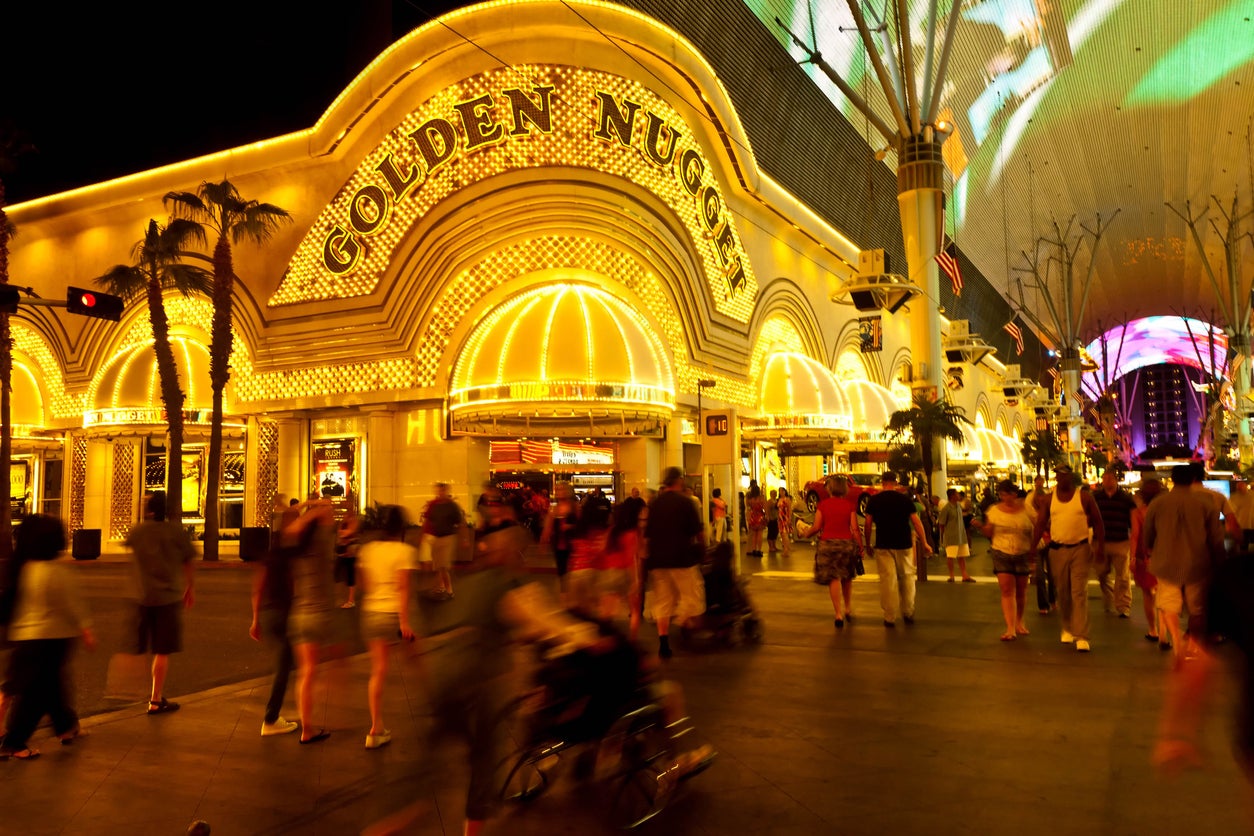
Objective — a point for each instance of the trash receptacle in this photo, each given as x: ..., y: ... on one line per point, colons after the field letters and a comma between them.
x: 254, y: 542
x: 85, y: 544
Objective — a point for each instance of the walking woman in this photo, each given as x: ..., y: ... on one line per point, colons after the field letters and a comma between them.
x: 1141, y: 574
x: 383, y: 570
x: 1009, y: 527
x: 310, y: 539
x: 618, y: 563
x: 785, y: 522
x: 559, y: 527
x: 839, y: 546
x: 48, y: 614
x: 755, y: 510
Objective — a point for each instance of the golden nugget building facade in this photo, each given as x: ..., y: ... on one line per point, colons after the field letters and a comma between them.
x: 528, y: 243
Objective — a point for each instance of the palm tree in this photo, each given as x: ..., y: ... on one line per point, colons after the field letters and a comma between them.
x: 12, y: 145
x: 157, y: 266
x: 926, y: 426
x: 1042, y: 450
x: 219, y: 207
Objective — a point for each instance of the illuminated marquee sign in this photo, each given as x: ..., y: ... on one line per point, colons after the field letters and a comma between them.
x: 490, y: 124
x: 141, y: 415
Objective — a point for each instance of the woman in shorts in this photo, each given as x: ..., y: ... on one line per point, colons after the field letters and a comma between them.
x: 309, y: 540
x: 583, y: 590
x: 383, y: 569
x: 618, y: 563
x: 835, y: 521
x: 1009, y: 527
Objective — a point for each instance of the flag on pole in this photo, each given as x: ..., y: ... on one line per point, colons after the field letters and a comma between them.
x: 948, y: 261
x: 1016, y: 334
x: 1053, y: 372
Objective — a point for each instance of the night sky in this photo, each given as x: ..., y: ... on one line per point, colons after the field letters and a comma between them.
x: 110, y: 89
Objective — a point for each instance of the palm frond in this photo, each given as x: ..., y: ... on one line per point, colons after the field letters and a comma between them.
x: 122, y: 280
x: 188, y: 279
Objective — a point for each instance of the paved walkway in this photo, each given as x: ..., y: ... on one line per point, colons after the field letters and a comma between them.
x: 937, y: 728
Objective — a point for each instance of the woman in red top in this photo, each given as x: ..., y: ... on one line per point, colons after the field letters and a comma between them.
x: 618, y: 563
x: 839, y: 545
x: 755, y: 518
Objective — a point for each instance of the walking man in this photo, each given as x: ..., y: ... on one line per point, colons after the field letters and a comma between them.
x: 896, y: 522
x: 1067, y: 518
x: 272, y: 602
x: 1116, y: 506
x: 1184, y: 537
x: 676, y: 538
x: 165, y: 575
x: 953, y: 536
x: 1043, y: 576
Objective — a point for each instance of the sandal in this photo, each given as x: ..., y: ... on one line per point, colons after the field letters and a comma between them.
x: 23, y: 754
x: 163, y: 706
x: 73, y: 734
x: 322, y: 734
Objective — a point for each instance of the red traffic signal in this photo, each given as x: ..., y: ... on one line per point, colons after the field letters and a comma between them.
x: 93, y: 303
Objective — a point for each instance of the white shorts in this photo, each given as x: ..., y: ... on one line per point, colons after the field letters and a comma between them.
x: 677, y: 593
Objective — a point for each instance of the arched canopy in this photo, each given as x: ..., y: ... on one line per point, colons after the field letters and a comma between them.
x: 997, y: 448
x: 872, y: 405
x: 799, y: 398
x: 564, y: 357
x: 126, y: 394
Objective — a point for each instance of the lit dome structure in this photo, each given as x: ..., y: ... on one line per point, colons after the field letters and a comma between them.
x: 562, y: 358
x: 799, y: 398
x: 999, y: 449
x: 126, y: 395
x: 872, y: 405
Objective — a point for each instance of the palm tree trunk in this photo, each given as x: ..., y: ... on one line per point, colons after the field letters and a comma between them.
x: 219, y: 374
x: 172, y: 398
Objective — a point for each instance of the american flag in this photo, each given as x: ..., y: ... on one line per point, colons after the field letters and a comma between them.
x: 1016, y: 334
x: 948, y: 262
x: 1053, y: 372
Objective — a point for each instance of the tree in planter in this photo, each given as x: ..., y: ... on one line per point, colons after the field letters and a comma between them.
x: 157, y: 266
x: 926, y: 426
x: 220, y: 208
x: 1043, y: 451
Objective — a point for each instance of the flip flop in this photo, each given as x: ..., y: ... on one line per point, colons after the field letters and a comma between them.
x: 322, y: 734
x: 24, y: 754
x: 162, y: 707
x: 1007, y: 637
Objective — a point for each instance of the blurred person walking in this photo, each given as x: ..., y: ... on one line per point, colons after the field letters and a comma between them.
x: 588, y: 542
x: 676, y: 546
x: 1009, y: 528
x: 1116, y: 506
x: 46, y: 612
x: 1068, y: 518
x: 1185, y: 540
x: 384, y: 567
x: 563, y: 516
x: 443, y: 527
x: 772, y: 521
x: 271, y: 604
x: 1141, y: 574
x: 953, y: 535
x: 785, y: 522
x: 346, y: 551
x: 309, y: 541
x: 840, y: 545
x: 165, y: 573
x: 618, y: 568
x: 896, y: 523
x: 718, y: 515
x: 755, y: 510
x: 1043, y: 576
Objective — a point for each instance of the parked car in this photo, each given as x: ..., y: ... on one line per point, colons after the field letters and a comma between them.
x: 861, y: 485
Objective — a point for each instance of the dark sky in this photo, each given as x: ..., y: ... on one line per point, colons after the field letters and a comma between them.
x: 107, y: 89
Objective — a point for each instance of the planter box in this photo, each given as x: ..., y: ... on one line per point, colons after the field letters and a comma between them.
x: 85, y: 544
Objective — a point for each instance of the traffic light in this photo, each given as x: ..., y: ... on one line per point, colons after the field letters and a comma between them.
x: 8, y: 299
x: 93, y: 303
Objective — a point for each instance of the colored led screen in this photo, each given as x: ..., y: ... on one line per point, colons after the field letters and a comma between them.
x: 1155, y: 340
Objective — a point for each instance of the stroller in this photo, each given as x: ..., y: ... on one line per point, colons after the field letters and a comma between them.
x: 729, y: 616
x: 604, y: 698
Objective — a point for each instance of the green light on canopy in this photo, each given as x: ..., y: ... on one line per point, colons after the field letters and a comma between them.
x: 1202, y: 59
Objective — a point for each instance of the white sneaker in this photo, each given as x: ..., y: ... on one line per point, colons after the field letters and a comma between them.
x: 375, y: 741
x: 279, y: 726
x: 1082, y: 645
x: 1067, y: 638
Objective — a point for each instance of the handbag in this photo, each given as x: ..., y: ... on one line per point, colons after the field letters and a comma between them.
x: 858, y: 567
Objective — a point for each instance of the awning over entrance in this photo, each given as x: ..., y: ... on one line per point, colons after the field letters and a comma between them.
x: 872, y: 405
x: 126, y: 395
x: 562, y: 359
x: 981, y: 447
x: 799, y: 401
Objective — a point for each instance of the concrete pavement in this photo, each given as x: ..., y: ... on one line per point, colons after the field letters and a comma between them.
x: 936, y: 728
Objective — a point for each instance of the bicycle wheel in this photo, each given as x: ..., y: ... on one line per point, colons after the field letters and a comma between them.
x: 641, y: 785
x: 520, y: 776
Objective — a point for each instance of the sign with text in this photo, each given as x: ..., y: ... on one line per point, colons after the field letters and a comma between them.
x: 721, y: 442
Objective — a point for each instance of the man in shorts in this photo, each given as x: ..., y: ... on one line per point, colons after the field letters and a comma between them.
x: 676, y: 538
x: 443, y: 525
x: 165, y: 575
x: 1184, y: 536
